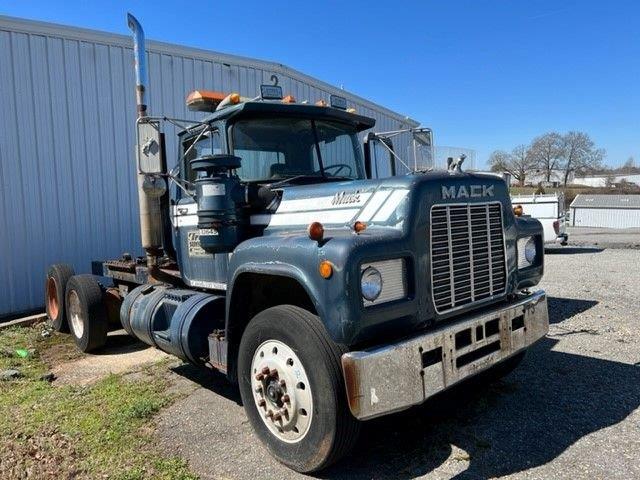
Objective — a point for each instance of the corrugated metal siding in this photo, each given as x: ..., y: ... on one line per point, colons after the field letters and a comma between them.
x: 605, y: 217
x: 67, y: 187
x: 586, y: 200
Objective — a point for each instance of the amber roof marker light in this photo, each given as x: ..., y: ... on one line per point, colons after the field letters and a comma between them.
x: 204, y: 100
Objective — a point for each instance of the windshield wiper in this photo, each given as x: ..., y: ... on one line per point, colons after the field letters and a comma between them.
x: 296, y: 177
x: 338, y: 177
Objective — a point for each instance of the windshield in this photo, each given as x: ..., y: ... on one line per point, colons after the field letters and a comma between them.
x: 281, y: 148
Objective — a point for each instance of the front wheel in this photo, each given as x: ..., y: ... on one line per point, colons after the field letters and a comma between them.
x: 292, y: 388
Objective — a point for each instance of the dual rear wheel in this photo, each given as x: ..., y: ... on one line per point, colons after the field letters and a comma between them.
x: 58, y: 276
x: 86, y: 312
x: 74, y: 303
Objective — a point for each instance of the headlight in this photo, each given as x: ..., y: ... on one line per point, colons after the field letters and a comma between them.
x: 383, y: 281
x: 527, y: 252
x: 371, y: 283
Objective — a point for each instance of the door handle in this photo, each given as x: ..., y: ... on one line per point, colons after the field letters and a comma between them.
x: 183, y: 210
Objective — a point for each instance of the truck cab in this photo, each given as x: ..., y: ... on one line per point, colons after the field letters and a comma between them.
x: 325, y: 151
x: 327, y: 296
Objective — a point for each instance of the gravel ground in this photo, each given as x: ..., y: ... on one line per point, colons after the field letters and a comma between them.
x: 569, y: 411
x: 604, y: 237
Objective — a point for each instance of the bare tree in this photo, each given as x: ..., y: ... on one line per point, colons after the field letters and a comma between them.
x: 546, y: 151
x: 518, y: 163
x: 579, y: 153
x: 630, y: 163
x: 630, y: 166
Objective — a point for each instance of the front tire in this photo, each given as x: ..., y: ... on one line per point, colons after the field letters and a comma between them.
x: 292, y: 389
x: 86, y: 312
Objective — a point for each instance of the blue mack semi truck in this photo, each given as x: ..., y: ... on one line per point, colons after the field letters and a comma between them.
x: 328, y: 297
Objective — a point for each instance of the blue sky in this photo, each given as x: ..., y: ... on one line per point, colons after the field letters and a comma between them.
x: 483, y: 74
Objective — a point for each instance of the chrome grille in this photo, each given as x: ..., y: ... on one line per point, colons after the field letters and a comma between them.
x: 467, y: 254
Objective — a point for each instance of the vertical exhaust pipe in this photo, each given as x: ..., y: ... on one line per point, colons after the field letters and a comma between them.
x: 140, y: 59
x: 151, y: 225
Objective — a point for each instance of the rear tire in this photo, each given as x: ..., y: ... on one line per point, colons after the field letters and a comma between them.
x: 317, y: 427
x: 86, y: 312
x: 54, y: 287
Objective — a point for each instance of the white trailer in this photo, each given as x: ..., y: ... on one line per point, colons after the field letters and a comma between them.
x: 549, y: 210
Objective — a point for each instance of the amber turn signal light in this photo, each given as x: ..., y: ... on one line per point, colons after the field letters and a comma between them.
x: 325, y: 268
x: 518, y: 210
x: 315, y: 231
x: 289, y: 99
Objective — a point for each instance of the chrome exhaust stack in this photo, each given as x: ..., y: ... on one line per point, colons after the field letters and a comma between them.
x: 140, y: 59
x: 150, y: 161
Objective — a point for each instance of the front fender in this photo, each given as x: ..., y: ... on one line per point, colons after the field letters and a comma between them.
x: 296, y: 257
x: 337, y: 300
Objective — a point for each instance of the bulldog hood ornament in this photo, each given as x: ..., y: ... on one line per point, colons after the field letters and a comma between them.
x: 455, y: 165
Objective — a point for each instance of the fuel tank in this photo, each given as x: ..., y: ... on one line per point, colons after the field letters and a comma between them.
x: 175, y: 320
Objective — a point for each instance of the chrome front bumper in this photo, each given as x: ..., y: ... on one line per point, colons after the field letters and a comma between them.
x: 395, y: 377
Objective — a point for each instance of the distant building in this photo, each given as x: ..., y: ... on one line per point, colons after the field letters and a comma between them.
x: 610, y: 211
x: 556, y: 178
x: 537, y: 177
x: 605, y: 180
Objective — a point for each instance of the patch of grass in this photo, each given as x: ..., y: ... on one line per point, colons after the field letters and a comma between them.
x: 96, y: 431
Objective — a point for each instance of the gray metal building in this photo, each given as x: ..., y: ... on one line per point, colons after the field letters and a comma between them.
x: 611, y: 211
x: 67, y: 189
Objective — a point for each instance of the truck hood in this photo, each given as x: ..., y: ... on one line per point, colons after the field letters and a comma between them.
x: 378, y: 203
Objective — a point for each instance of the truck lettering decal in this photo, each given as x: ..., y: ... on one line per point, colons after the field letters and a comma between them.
x: 471, y: 191
x: 487, y: 191
x: 448, y: 192
x: 344, y: 198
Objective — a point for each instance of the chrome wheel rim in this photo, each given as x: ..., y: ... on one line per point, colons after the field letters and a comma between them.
x: 281, y: 391
x: 75, y: 314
